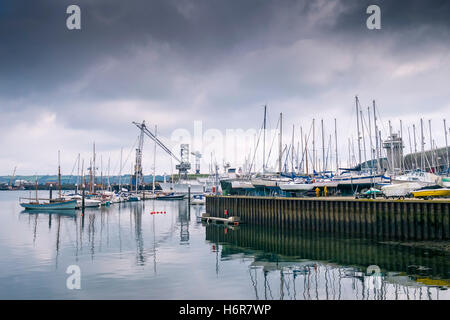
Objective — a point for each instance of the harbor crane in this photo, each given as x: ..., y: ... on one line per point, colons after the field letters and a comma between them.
x: 183, y: 164
x: 197, y: 156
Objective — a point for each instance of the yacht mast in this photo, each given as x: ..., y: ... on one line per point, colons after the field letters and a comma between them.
x: 446, y: 144
x: 292, y: 153
x: 264, y: 140
x: 402, y: 164
x: 306, y: 155
x: 59, y: 176
x: 410, y: 146
x: 302, y: 150
x: 363, y: 136
x: 357, y: 129
x: 415, y: 145
x: 314, y: 146
x: 377, y: 152
x: 323, y: 148
x: 120, y: 170
x: 372, y: 150
x: 422, y: 157
x: 336, y: 145
x: 78, y: 175
x: 280, y: 151
x: 431, y: 147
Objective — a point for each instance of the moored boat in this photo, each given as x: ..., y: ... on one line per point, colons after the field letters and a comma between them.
x: 198, y: 199
x: 171, y: 197
x: 431, y: 193
x: 47, y: 204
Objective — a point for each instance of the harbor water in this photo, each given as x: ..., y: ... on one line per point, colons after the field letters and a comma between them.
x: 160, y: 250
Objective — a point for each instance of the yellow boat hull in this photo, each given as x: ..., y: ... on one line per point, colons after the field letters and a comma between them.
x: 432, y: 193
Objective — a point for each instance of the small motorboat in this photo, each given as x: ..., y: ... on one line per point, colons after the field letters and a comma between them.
x: 198, y: 199
x: 134, y: 198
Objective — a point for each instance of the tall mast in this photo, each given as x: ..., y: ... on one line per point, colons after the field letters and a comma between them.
x: 109, y: 163
x: 120, y: 170
x: 154, y: 161
x: 410, y: 146
x: 280, y: 151
x: 402, y: 164
x: 377, y: 152
x: 59, y: 176
x: 292, y: 153
x: 349, y: 164
x: 446, y: 144
x: 90, y: 175
x: 422, y: 141
x: 306, y: 155
x: 415, y: 145
x: 363, y: 136
x: 302, y: 150
x: 357, y: 130
x: 372, y: 151
x: 78, y: 175
x: 93, y: 172
x: 36, y: 187
x: 82, y: 175
x: 101, y: 171
x: 314, y: 146
x: 323, y: 148
x: 336, y: 145
x: 431, y: 146
x: 264, y: 142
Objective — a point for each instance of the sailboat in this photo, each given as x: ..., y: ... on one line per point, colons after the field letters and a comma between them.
x: 37, y: 203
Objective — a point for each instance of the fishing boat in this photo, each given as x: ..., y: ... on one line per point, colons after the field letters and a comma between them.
x: 47, y: 204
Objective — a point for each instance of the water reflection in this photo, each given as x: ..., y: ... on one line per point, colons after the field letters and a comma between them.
x: 100, y: 230
x: 289, y: 265
x: 125, y: 251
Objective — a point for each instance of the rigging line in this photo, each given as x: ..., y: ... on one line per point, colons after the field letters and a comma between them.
x: 273, y: 140
x: 305, y: 148
x: 256, y: 148
x: 131, y: 150
x: 381, y: 121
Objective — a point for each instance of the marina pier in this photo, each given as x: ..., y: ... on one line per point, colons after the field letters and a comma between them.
x: 380, y: 219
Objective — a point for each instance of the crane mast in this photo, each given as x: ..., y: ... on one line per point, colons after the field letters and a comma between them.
x: 138, y: 176
x: 183, y: 165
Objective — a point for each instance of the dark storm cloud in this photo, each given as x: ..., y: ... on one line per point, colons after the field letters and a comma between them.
x: 173, y: 61
x: 40, y: 55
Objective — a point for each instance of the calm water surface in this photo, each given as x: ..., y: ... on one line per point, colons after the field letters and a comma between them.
x: 125, y: 252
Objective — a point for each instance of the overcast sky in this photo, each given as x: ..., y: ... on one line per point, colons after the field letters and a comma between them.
x: 172, y: 62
